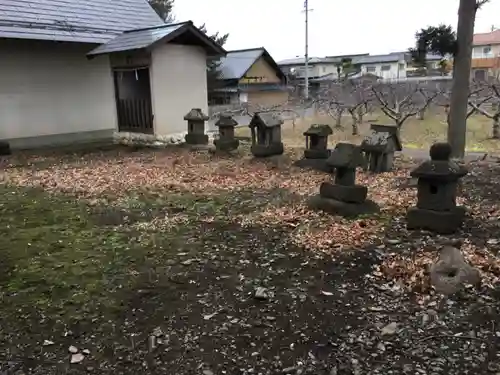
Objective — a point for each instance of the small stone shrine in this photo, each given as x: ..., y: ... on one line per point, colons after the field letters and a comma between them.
x: 196, y: 127
x: 317, y: 142
x: 316, y: 152
x: 266, y: 134
x: 344, y: 197
x: 436, y: 208
x: 379, y: 147
x: 226, y: 140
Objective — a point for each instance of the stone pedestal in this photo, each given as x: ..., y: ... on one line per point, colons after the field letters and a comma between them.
x: 344, y: 197
x: 436, y: 208
x: 262, y: 151
x: 442, y: 222
x: 5, y: 148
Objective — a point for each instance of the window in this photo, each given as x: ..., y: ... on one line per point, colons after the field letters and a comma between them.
x: 371, y: 69
x: 324, y: 69
x: 401, y: 66
x: 480, y: 75
x: 385, y: 68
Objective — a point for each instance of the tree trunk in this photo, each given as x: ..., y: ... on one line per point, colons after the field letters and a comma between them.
x: 360, y: 115
x: 457, y: 123
x: 355, y: 123
x: 338, y: 122
x: 496, y: 127
x: 421, y: 114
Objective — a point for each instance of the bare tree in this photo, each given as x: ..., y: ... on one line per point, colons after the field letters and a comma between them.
x: 476, y: 97
x: 332, y: 101
x: 358, y: 103
x: 401, y: 101
x: 427, y: 96
x: 490, y: 94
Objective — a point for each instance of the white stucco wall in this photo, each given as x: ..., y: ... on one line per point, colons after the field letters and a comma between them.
x: 49, y: 88
x: 393, y: 72
x: 178, y: 84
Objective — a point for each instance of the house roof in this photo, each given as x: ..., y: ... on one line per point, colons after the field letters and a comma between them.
x: 152, y: 36
x: 482, y: 39
x: 237, y: 63
x: 387, y: 58
x: 320, y: 60
x: 84, y: 21
x: 363, y: 58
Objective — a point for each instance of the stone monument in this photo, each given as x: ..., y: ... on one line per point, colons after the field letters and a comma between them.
x: 316, y: 152
x: 379, y: 147
x: 196, y: 127
x: 5, y: 148
x: 226, y: 141
x: 437, y: 184
x: 344, y: 197
x: 266, y: 134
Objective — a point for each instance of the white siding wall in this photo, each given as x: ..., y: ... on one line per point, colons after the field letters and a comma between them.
x: 393, y: 72
x: 178, y: 84
x: 484, y: 52
x: 49, y: 88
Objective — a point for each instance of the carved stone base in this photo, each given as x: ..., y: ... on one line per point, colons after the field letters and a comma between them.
x: 226, y: 145
x: 335, y: 207
x: 261, y: 151
x: 442, y: 222
x: 316, y: 164
x: 379, y: 163
x: 196, y: 139
x: 316, y: 154
x: 5, y: 148
x: 349, y: 194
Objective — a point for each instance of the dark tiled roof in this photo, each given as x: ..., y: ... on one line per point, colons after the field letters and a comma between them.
x: 145, y: 38
x: 387, y: 58
x: 85, y: 21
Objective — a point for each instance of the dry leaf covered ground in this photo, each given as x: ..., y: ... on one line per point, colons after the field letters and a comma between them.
x: 174, y: 262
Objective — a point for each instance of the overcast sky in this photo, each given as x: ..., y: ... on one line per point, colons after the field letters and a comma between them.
x: 335, y: 27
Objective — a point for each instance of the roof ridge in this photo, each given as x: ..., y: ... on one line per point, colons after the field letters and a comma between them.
x: 161, y: 26
x: 246, y: 50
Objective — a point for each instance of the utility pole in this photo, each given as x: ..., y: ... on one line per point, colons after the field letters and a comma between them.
x: 306, y: 55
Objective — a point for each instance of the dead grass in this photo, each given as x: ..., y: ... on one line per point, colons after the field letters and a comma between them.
x: 416, y: 134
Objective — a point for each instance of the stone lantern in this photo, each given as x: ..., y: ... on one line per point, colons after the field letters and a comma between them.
x: 266, y: 134
x: 438, y: 178
x: 226, y: 140
x: 196, y: 127
x: 380, y: 146
x: 344, y: 197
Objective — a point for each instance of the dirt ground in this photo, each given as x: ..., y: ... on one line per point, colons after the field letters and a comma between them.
x: 176, y: 262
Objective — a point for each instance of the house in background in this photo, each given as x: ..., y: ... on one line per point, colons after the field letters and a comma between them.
x: 73, y: 73
x: 249, y: 76
x: 392, y: 65
x: 486, y: 55
x: 317, y: 66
